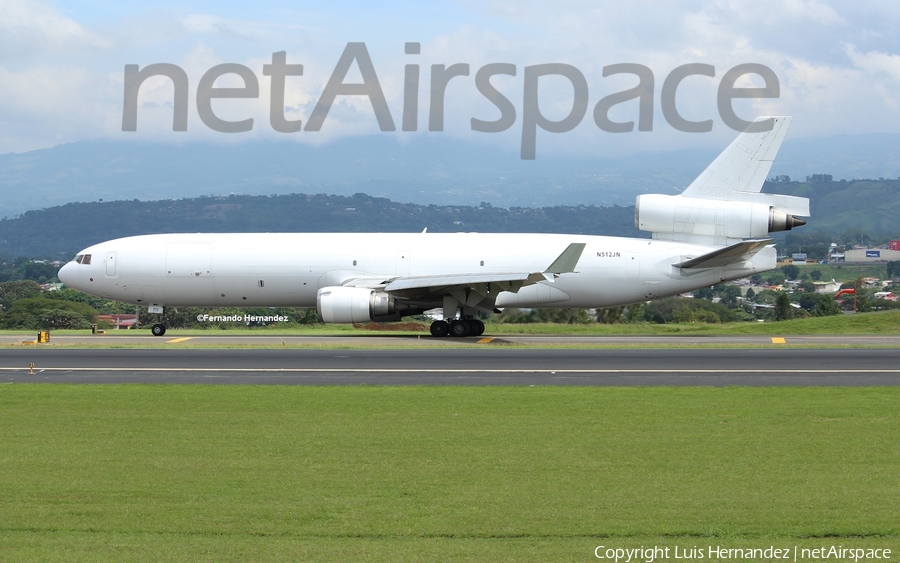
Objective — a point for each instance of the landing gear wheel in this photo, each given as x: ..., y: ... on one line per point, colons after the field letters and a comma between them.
x: 158, y: 329
x: 440, y: 328
x: 477, y: 328
x: 460, y: 328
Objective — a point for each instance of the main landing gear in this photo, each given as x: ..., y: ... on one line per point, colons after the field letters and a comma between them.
x: 460, y: 327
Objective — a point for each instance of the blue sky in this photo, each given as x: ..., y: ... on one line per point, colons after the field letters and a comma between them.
x: 61, y: 64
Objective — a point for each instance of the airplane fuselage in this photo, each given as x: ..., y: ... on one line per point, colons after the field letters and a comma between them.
x: 287, y: 269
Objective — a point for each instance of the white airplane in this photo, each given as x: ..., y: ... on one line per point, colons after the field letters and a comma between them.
x: 714, y: 231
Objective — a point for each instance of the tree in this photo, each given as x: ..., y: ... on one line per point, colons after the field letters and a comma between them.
x: 12, y: 291
x: 791, y: 271
x: 808, y: 287
x: 816, y: 275
x: 819, y: 305
x: 783, y: 310
x: 566, y: 316
x: 62, y: 318
x: 40, y: 312
x: 893, y: 269
x: 39, y: 272
x: 634, y: 312
x: 826, y: 306
x: 103, y: 306
x: 688, y: 310
x: 705, y: 292
x: 610, y: 315
x: 729, y: 295
x: 863, y: 297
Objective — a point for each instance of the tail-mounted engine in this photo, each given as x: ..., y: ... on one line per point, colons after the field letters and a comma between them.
x: 687, y: 218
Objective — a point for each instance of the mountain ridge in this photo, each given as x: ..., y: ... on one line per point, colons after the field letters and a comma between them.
x: 426, y: 170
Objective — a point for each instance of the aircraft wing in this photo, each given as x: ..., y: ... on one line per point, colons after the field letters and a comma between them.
x: 483, y: 284
x: 457, y: 280
x: 507, y: 281
x: 739, y: 252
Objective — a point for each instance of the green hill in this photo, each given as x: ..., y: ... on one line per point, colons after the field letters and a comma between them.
x: 872, y: 206
x: 59, y: 232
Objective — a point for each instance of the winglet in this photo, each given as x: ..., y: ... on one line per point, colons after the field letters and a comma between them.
x: 566, y: 261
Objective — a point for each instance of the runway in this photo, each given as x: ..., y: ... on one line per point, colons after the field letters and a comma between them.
x: 458, y: 366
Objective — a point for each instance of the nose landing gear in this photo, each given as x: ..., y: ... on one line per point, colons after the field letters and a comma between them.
x: 159, y: 328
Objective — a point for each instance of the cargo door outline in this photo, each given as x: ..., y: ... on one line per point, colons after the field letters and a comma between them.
x: 110, y: 264
x: 632, y: 265
x: 403, y: 261
x: 188, y: 271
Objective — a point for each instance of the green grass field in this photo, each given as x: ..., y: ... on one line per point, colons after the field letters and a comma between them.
x: 248, y: 473
x: 846, y: 272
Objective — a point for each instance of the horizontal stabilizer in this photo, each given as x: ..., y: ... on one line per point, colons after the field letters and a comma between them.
x: 739, y: 252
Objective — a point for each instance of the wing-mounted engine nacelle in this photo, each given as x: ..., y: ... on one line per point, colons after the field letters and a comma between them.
x: 658, y: 213
x: 354, y: 305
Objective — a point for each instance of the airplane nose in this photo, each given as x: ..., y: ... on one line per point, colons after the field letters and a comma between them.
x: 65, y: 274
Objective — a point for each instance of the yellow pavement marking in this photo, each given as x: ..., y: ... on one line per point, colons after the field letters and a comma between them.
x: 486, y: 340
x: 177, y: 340
x: 777, y: 340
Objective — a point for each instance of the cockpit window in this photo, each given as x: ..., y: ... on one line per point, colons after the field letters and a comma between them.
x: 83, y: 259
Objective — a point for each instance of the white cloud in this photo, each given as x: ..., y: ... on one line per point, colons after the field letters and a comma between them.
x: 45, y: 105
x: 839, y: 67
x: 876, y: 62
x: 31, y: 27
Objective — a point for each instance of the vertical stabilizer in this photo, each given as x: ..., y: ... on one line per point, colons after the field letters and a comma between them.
x: 744, y: 165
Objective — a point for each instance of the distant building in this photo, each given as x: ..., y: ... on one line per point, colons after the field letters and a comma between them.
x: 863, y: 255
x: 827, y: 287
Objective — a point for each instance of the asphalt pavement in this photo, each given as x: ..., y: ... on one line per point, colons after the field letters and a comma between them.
x: 476, y: 365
